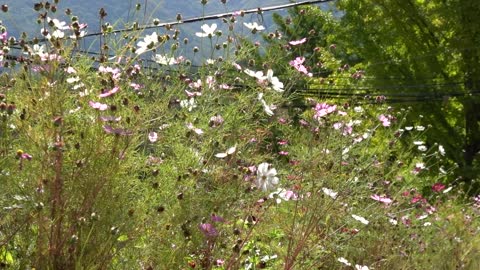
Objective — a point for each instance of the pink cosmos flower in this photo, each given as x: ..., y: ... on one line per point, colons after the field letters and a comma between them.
x: 225, y: 86
x: 283, y: 153
x: 97, y: 105
x: 137, y: 86
x: 26, y: 156
x: 216, y: 218
x: 208, y: 229
x: 114, y: 71
x: 298, y: 65
x: 382, y: 199
x: 385, y: 120
x: 437, y: 187
x: 109, y: 92
x: 418, y: 198
x: 323, y: 109
x: 193, y: 94
x: 303, y: 123
x: 237, y: 66
x: 297, y: 42
x: 3, y: 36
x: 347, y: 130
x: 282, y: 142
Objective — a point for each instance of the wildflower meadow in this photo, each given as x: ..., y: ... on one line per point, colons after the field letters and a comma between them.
x: 168, y: 151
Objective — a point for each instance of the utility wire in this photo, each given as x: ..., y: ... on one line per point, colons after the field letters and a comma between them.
x: 215, y: 16
x: 202, y: 18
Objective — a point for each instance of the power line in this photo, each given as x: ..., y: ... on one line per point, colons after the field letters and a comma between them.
x: 216, y: 16
x: 202, y: 18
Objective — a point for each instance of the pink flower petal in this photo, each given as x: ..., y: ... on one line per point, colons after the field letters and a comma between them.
x: 109, y: 92
x: 297, y: 42
x: 97, y: 105
x: 381, y: 199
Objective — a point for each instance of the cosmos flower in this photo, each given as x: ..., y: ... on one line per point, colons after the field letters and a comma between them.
x: 283, y: 194
x: 109, y: 92
x: 297, y: 42
x: 165, y: 60
x: 152, y: 136
x: 344, y: 261
x: 267, y: 108
x: 277, y: 85
x: 97, y: 105
x: 266, y: 177
x: 255, y: 27
x: 208, y: 229
x: 360, y: 219
x: 382, y: 199
x: 385, y: 120
x: 229, y: 151
x: 330, y: 192
x: 148, y: 42
x: 208, y: 31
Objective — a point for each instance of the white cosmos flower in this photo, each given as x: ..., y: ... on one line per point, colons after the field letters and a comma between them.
x: 208, y: 31
x: 441, y: 150
x: 148, y: 42
x: 73, y: 79
x: 422, y: 148
x: 55, y: 34
x: 361, y: 267
x: 267, y: 108
x: 344, y: 261
x: 256, y: 74
x: 277, y: 85
x: 447, y: 190
x: 152, y: 136
x: 199, y: 131
x: 393, y: 221
x: 254, y: 26
x: 80, y: 35
x: 266, y: 177
x: 229, y: 151
x: 58, y: 24
x: 164, y: 60
x: 330, y: 192
x: 358, y: 109
x: 190, y: 104
x: 360, y: 219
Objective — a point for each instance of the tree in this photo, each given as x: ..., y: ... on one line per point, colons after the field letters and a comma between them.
x: 431, y: 48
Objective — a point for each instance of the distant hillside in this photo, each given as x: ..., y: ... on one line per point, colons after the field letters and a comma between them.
x: 22, y: 17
